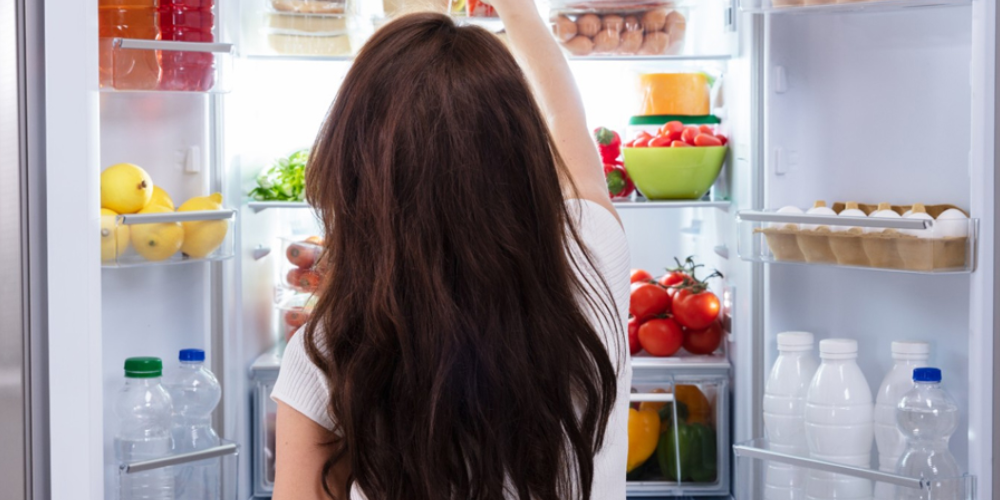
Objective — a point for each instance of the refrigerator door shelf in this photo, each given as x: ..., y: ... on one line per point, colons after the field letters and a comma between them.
x: 264, y: 373
x: 754, y: 457
x: 136, y: 65
x: 901, y: 245
x: 166, y: 238
x: 834, y: 6
x: 224, y: 457
x: 639, y: 203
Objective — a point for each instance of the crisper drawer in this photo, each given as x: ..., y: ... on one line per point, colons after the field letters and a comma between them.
x: 690, y: 407
x: 264, y: 373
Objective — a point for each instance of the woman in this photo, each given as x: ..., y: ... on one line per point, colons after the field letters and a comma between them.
x: 468, y: 341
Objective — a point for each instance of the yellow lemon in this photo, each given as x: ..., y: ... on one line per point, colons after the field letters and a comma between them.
x: 125, y: 188
x: 157, y: 241
x: 203, y: 237
x: 114, y: 239
x: 161, y: 198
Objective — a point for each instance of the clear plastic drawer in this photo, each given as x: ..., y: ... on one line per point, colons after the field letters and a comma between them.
x: 166, y: 238
x: 222, y: 458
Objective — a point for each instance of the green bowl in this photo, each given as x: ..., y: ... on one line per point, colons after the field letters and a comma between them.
x: 674, y: 173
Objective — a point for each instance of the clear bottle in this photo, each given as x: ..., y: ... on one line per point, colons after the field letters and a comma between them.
x: 838, y: 421
x: 143, y: 408
x: 187, y: 21
x: 127, y: 69
x: 888, y: 439
x: 784, y: 413
x: 927, y: 416
x: 195, y: 392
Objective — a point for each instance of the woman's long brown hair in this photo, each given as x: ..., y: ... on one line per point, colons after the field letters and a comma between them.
x: 452, y: 325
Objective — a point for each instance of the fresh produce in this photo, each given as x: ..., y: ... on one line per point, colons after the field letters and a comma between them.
x: 157, y: 241
x: 661, y: 336
x: 649, y: 29
x: 125, y: 188
x: 114, y: 239
x: 688, y: 453
x: 295, y: 313
x: 675, y: 135
x: 697, y: 409
x: 204, y: 236
x: 161, y: 198
x: 634, y: 346
x: 695, y: 307
x: 296, y: 317
x: 302, y: 254
x: 608, y: 143
x: 640, y: 275
x: 284, y: 180
x: 643, y: 434
x: 609, y: 146
x: 648, y: 300
x: 705, y: 340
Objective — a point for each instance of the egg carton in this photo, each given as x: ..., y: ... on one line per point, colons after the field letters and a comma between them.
x: 922, y: 250
x: 643, y: 29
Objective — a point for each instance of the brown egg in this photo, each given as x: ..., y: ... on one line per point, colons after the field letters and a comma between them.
x: 632, y: 24
x: 675, y: 26
x: 564, y: 28
x: 612, y: 22
x: 580, y: 46
x: 588, y: 24
x: 606, y: 42
x: 631, y: 41
x: 654, y: 20
x: 654, y: 44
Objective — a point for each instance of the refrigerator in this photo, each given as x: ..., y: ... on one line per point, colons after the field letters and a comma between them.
x: 884, y: 101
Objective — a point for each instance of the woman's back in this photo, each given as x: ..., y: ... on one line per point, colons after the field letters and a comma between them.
x: 468, y: 340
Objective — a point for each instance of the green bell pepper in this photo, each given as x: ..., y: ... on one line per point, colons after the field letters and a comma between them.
x: 687, y: 453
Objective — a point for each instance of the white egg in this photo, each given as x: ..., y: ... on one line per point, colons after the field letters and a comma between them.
x: 952, y: 223
x: 789, y: 210
x: 884, y: 212
x: 919, y: 212
x: 852, y: 210
x: 819, y: 208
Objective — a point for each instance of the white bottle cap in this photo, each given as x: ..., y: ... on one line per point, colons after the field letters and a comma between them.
x: 910, y: 350
x: 838, y: 348
x: 795, y: 341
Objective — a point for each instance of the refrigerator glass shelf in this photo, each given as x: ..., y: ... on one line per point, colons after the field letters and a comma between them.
x: 212, y: 230
x: 758, y: 464
x: 257, y: 206
x: 135, y: 65
x: 898, y: 245
x: 833, y: 6
x: 224, y: 457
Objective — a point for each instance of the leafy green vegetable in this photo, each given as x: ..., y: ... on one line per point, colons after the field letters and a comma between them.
x: 284, y: 180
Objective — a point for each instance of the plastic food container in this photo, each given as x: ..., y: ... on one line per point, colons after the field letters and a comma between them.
x: 686, y: 94
x: 264, y: 373
x: 309, y: 6
x: 298, y: 268
x: 293, y: 312
x: 642, y: 29
x: 652, y: 124
x: 674, y: 173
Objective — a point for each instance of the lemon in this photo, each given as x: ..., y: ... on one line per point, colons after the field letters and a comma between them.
x: 157, y: 241
x: 203, y: 237
x: 114, y: 239
x: 125, y: 188
x: 161, y: 198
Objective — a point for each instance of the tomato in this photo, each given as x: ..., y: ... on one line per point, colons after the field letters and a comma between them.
x: 695, y: 310
x: 706, y: 140
x: 706, y: 129
x: 679, y: 144
x: 672, y: 279
x: 296, y: 317
x: 629, y: 144
x: 672, y: 128
x: 722, y: 139
x: 661, y: 337
x: 302, y: 254
x: 640, y: 275
x: 660, y: 142
x: 703, y: 341
x: 689, y: 134
x: 640, y: 142
x: 633, y: 336
x: 648, y: 300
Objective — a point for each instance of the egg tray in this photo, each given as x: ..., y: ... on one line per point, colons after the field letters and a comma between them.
x: 641, y: 29
x: 888, y: 249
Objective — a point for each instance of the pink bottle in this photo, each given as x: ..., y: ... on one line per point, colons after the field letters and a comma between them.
x: 187, y: 21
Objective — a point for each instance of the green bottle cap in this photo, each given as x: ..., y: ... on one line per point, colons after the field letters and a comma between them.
x: 143, y: 367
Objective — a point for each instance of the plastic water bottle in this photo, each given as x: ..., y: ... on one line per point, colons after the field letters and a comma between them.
x: 890, y: 441
x: 143, y: 409
x: 784, y: 413
x: 838, y: 421
x: 187, y: 21
x: 195, y: 392
x: 928, y: 417
x: 127, y: 69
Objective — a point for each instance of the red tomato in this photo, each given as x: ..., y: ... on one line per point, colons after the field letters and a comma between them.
x: 661, y: 337
x: 704, y: 341
x: 640, y: 142
x: 689, y: 134
x: 671, y: 128
x: 302, y: 254
x: 629, y: 143
x: 679, y: 144
x: 671, y: 280
x: 660, y: 142
x: 722, y: 138
x: 640, y: 275
x: 705, y: 140
x: 648, y: 300
x: 695, y: 310
x: 706, y: 129
x: 633, y: 336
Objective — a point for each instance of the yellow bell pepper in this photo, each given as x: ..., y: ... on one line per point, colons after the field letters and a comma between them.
x: 643, y: 436
x: 696, y: 410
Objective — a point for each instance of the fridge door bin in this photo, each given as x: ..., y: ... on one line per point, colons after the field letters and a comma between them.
x: 832, y: 6
x: 902, y: 245
x: 692, y: 446
x: 222, y: 457
x: 165, y: 65
x: 264, y: 373
x: 298, y: 263
x: 156, y: 239
x: 768, y: 473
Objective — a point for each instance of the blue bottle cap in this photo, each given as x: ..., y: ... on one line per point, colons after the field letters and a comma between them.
x: 926, y: 375
x: 192, y: 355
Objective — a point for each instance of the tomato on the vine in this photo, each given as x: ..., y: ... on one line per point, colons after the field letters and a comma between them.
x: 648, y: 300
x: 672, y: 280
x: 703, y: 341
x: 661, y: 337
x: 640, y: 275
x: 695, y: 309
x: 633, y: 336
